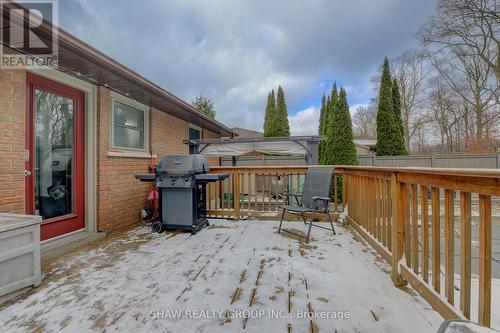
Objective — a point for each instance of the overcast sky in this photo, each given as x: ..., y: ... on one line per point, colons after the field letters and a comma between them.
x: 235, y: 52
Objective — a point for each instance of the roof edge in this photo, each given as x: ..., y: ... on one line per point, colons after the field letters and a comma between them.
x: 92, y: 54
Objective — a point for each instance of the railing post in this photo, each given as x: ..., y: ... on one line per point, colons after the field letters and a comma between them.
x: 236, y: 194
x: 344, y: 191
x: 398, y: 198
x: 335, y: 192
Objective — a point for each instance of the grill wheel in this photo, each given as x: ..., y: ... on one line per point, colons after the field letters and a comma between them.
x: 157, y: 227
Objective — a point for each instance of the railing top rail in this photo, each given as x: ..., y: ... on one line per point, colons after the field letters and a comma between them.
x: 488, y: 173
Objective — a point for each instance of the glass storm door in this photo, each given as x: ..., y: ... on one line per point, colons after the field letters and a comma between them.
x: 54, y: 156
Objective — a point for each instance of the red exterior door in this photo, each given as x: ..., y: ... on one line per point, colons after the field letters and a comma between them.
x: 55, y: 156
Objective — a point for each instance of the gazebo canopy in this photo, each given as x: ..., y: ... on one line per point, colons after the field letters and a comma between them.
x: 289, y: 146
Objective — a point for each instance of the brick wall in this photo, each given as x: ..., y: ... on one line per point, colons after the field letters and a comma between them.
x: 167, y: 133
x: 120, y: 196
x: 12, y: 138
x: 212, y: 161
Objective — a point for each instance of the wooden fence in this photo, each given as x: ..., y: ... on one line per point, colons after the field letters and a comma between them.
x: 399, y: 212
x: 476, y: 161
x: 396, y: 203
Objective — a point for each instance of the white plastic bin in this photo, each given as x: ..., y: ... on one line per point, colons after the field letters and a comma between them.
x: 19, y: 252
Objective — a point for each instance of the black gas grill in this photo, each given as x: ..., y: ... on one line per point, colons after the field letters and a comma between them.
x: 181, y: 182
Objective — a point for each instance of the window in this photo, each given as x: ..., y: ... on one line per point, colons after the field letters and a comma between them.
x: 129, y: 130
x: 194, y: 134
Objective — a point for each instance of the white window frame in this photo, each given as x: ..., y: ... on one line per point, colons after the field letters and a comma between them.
x: 198, y: 128
x: 117, y: 150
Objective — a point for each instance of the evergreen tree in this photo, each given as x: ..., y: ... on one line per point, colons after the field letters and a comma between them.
x: 280, y: 123
x: 322, y: 116
x: 329, y: 126
x: 343, y: 148
x: 321, y: 128
x: 387, y: 130
x: 396, y: 104
x: 323, y: 144
x: 269, y: 114
x: 204, y: 105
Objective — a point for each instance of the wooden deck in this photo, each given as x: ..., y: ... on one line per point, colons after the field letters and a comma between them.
x: 242, y: 276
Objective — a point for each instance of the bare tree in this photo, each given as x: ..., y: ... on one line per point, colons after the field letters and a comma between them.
x: 447, y: 113
x: 474, y: 83
x: 473, y: 25
x: 365, y: 121
x: 410, y: 70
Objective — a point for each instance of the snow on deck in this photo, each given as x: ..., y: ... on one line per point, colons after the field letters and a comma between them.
x: 229, y: 277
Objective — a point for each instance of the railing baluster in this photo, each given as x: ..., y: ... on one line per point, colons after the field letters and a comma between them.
x: 208, y: 196
x: 270, y: 191
x: 436, y: 240
x: 449, y: 236
x: 276, y: 192
x: 372, y: 206
x: 389, y: 214
x: 335, y: 192
x: 244, y: 191
x: 255, y: 193
x: 414, y: 229
x: 376, y: 203
x: 407, y: 229
x: 424, y: 193
x: 383, y: 188
x: 465, y: 252
x: 283, y: 177
x: 484, y: 313
x: 236, y: 195
x: 263, y: 191
x: 365, y: 200
x: 216, y: 194
x: 399, y: 199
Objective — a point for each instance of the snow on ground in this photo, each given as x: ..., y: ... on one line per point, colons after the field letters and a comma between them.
x: 229, y: 277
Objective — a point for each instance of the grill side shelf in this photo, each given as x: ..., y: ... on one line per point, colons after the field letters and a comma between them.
x: 146, y: 177
x: 211, y: 177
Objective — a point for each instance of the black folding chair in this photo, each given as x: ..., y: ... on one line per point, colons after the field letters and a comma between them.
x: 314, y: 198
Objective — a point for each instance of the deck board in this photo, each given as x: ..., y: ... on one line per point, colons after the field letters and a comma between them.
x: 229, y: 267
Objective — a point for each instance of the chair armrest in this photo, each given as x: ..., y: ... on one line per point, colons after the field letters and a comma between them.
x: 321, y: 199
x: 294, y: 194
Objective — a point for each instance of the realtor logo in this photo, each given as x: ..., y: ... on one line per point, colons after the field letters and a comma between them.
x: 28, y: 34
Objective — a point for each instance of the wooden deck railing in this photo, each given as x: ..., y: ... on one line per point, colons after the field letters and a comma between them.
x: 400, y: 213
x: 407, y: 215
x: 254, y: 191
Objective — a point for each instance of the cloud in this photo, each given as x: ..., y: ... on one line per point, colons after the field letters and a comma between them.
x: 305, y: 122
x: 236, y: 51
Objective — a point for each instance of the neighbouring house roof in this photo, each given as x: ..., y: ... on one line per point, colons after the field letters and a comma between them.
x: 87, y: 63
x: 246, y: 133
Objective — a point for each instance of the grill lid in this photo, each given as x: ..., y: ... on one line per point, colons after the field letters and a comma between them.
x: 183, y: 164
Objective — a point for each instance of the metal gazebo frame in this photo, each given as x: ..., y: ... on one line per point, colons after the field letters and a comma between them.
x: 307, y: 146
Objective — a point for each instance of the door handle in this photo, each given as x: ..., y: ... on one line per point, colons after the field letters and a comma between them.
x: 27, y: 173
